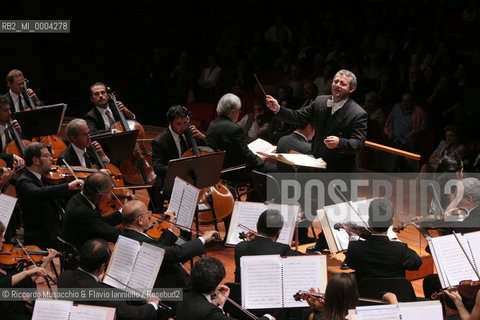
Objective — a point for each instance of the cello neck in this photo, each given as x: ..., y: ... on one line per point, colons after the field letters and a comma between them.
x: 189, y: 135
x: 16, y: 137
x: 123, y: 120
x: 98, y: 159
x: 26, y: 96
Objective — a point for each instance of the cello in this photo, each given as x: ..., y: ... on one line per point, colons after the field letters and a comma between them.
x: 217, y: 196
x: 137, y: 169
x: 17, y: 146
x: 54, y: 143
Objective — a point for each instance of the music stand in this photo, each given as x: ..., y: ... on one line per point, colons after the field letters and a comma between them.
x: 44, y: 121
x: 200, y: 171
x: 118, y: 146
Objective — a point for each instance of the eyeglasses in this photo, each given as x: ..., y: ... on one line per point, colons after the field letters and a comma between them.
x: 46, y: 155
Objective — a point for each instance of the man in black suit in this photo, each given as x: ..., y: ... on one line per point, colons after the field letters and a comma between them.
x: 19, y: 98
x: 340, y: 123
x: 297, y: 141
x: 471, y: 203
x: 269, y: 226
x: 83, y: 221
x: 42, y: 212
x: 78, y: 152
x: 94, y: 257
x: 207, y: 273
x: 378, y: 256
x: 101, y: 117
x: 224, y: 134
x: 173, y: 142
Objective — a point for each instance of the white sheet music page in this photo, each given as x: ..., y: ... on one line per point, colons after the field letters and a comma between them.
x: 7, y: 205
x: 245, y: 213
x: 145, y: 270
x: 289, y: 214
x: 261, y: 281
x: 183, y: 202
x: 49, y: 309
x: 87, y: 312
x: 303, y: 273
x: 379, y: 312
x: 122, y: 262
x: 420, y: 310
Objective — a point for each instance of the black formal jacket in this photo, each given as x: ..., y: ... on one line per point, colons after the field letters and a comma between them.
x: 171, y: 273
x: 225, y: 135
x: 260, y: 246
x: 41, y: 209
x: 470, y: 223
x: 82, y: 223
x: 295, y: 142
x: 196, y: 307
x: 81, y: 279
x: 349, y: 123
x: 8, y: 158
x: 72, y: 158
x: 95, y: 121
x: 379, y: 257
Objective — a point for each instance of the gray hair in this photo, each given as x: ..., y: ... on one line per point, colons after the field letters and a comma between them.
x: 351, y: 75
x: 471, y: 187
x: 72, y: 127
x: 228, y: 103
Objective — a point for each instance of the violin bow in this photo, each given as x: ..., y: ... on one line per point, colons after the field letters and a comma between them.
x: 248, y: 313
x: 466, y: 255
x: 32, y: 261
x: 350, y: 205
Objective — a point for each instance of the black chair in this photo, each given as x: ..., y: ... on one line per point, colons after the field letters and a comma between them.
x: 374, y: 288
x: 266, y: 186
x: 70, y: 258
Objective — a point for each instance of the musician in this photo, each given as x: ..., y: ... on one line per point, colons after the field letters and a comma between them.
x: 94, y: 257
x: 6, y: 135
x: 297, y: 141
x: 206, y: 275
x: 340, y: 123
x: 78, y: 152
x: 269, y: 226
x: 224, y: 134
x: 101, y: 117
x: 17, y: 95
x: 12, y: 278
x: 378, y: 257
x: 462, y: 311
x: 6, y: 175
x: 470, y: 201
x: 172, y: 143
x: 41, y: 204
x: 83, y: 221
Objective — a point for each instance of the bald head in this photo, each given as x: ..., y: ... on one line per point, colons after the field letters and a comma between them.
x: 132, y: 210
x: 96, y: 184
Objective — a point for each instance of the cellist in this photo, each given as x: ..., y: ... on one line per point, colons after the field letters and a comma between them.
x: 78, y: 152
x: 18, y: 96
x: 101, y: 117
x: 5, y: 134
x: 41, y: 208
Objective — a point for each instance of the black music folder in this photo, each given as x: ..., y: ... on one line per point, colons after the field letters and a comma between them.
x: 43, y: 121
x: 117, y: 146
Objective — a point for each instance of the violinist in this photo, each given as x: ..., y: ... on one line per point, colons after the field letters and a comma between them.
x: 12, y: 278
x: 208, y: 296
x: 269, y: 226
x: 41, y: 204
x: 82, y: 219
x: 101, y: 117
x: 462, y: 311
x: 135, y: 217
x: 377, y: 256
x: 19, y: 98
x: 172, y: 143
x: 78, y: 152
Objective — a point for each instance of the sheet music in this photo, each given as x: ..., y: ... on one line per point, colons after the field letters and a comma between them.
x: 247, y: 213
x: 7, y: 205
x: 261, y: 145
x: 452, y: 265
x: 474, y: 241
x: 421, y: 310
x: 261, y: 281
x: 379, y: 312
x: 303, y: 273
x: 86, y: 312
x: 183, y: 202
x: 148, y: 263
x: 49, y: 309
x: 122, y: 262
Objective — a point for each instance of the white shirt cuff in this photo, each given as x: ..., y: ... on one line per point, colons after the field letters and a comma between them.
x: 154, y: 305
x: 353, y: 238
x: 268, y: 316
x: 202, y: 239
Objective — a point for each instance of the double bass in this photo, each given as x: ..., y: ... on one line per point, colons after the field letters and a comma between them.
x: 137, y: 169
x: 217, y: 196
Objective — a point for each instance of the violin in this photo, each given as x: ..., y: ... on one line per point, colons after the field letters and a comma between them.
x: 54, y: 143
x: 12, y: 255
x: 315, y: 300
x: 61, y: 174
x: 137, y: 169
x: 246, y: 236
x: 362, y: 231
x: 468, y: 289
x: 218, y: 196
